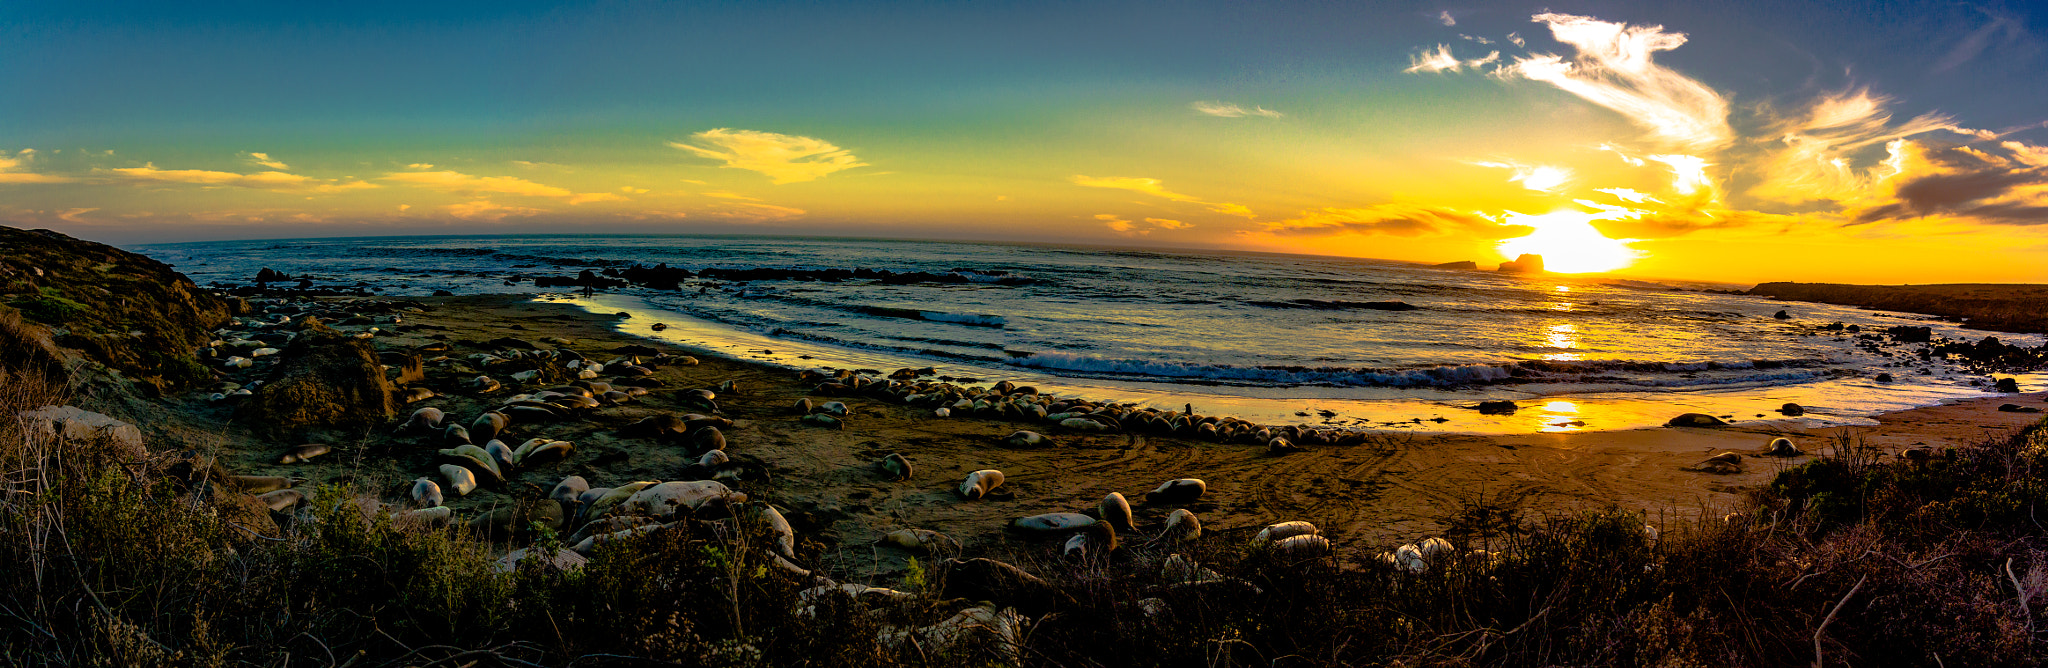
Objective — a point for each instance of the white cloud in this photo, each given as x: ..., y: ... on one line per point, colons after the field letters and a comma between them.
x: 1628, y: 195
x: 263, y: 159
x: 1446, y: 18
x: 1225, y: 110
x: 1540, y: 178
x: 1613, y: 68
x: 1815, y: 151
x: 784, y: 158
x: 1441, y: 60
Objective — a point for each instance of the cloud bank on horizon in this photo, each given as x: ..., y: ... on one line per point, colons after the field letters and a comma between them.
x: 1582, y: 136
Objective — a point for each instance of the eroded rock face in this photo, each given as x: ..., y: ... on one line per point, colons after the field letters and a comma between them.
x: 125, y: 311
x: 326, y: 381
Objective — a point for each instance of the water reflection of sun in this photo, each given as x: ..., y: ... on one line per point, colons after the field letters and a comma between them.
x: 1562, y: 336
x: 1560, y: 417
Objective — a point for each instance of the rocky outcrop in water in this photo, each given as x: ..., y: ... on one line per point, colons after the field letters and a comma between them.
x: 1528, y: 263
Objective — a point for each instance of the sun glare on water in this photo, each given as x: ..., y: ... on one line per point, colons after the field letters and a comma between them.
x: 1568, y: 243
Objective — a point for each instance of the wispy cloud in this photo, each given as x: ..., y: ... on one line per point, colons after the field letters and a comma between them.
x: 1812, y: 156
x: 1628, y: 195
x: 15, y: 169
x: 1613, y: 67
x: 1440, y: 59
x: 273, y: 181
x: 1227, y: 110
x: 2000, y: 26
x: 264, y: 160
x: 1403, y: 220
x: 1446, y: 18
x: 1540, y: 178
x: 465, y: 184
x: 2005, y: 184
x: 1158, y: 189
x: 484, y: 209
x: 1118, y: 224
x: 1168, y: 224
x: 784, y: 158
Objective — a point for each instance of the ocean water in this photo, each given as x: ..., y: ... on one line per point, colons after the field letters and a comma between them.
x: 1278, y: 337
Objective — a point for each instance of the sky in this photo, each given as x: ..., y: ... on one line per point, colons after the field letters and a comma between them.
x: 1732, y: 141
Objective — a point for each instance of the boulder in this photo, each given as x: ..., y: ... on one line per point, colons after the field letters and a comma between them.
x: 2008, y: 385
x: 1904, y: 334
x: 1792, y: 410
x: 326, y: 381
x: 71, y: 426
x: 1497, y: 407
x: 1781, y: 315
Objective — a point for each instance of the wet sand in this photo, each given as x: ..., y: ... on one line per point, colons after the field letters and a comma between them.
x: 1395, y: 489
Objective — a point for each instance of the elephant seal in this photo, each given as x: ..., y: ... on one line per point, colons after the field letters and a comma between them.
x: 980, y: 483
x: 413, y: 395
x: 500, y: 454
x: 1783, y: 447
x: 1182, y: 490
x: 1053, y: 522
x: 484, y: 384
x: 460, y: 480
x: 596, y: 505
x: 424, y: 419
x: 454, y: 434
x: 805, y: 406
x: 425, y: 494
x: 282, y: 499
x: 488, y: 425
x: 708, y: 438
x: 1696, y: 420
x: 1116, y: 510
x: 252, y: 484
x: 1181, y: 525
x: 304, y: 453
x: 475, y: 459
x: 1083, y: 424
x: 1281, y: 446
x: 834, y: 408
x: 435, y: 517
x: 768, y: 518
x: 824, y: 420
x: 566, y: 491
x: 920, y: 540
x: 1027, y: 439
x: 1278, y: 532
x: 1092, y: 540
x: 667, y: 499
x: 1301, y: 547
x: 896, y: 467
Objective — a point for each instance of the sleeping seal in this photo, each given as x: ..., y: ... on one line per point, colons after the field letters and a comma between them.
x: 460, y: 480
x: 1053, y: 522
x: 1182, y: 490
x: 896, y: 467
x: 980, y: 483
x: 1027, y: 439
x: 425, y: 494
x: 1115, y: 510
x: 304, y: 453
x: 1181, y: 526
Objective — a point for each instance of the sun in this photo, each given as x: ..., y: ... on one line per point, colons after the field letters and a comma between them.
x: 1568, y: 243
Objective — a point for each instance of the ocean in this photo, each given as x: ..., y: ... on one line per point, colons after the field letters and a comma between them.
x: 1274, y: 338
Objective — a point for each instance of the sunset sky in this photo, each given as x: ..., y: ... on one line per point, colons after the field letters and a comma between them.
x: 1736, y: 141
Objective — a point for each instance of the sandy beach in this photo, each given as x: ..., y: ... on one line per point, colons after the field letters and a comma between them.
x: 1396, y: 488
